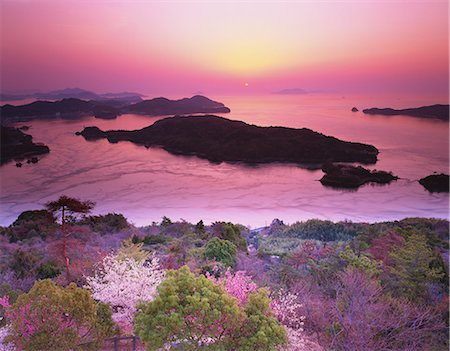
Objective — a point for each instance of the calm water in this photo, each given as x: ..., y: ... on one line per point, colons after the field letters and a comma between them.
x: 146, y: 184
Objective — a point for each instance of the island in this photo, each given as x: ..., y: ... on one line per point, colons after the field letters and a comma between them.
x: 292, y: 91
x: 351, y: 177
x: 436, y: 183
x: 76, y: 93
x: 16, y: 145
x: 162, y: 106
x: 76, y: 108
x: 218, y: 139
x: 434, y: 111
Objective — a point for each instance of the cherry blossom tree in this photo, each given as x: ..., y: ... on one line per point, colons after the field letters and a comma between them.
x: 287, y: 309
x: 238, y: 284
x: 122, y: 282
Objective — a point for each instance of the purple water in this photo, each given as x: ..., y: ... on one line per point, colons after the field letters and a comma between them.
x: 146, y: 184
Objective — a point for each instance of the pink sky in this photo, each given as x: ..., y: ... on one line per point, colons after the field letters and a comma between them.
x: 180, y: 47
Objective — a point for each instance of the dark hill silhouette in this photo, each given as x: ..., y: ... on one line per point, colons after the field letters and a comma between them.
x: 69, y: 108
x: 17, y: 145
x: 219, y: 139
x: 75, y: 93
x: 434, y: 111
x: 73, y: 108
x: 163, y: 106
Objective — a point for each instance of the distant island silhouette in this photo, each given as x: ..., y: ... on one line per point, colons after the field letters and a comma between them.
x: 75, y: 93
x: 16, y: 145
x: 219, y: 139
x: 75, y: 108
x: 434, y: 111
x: 292, y: 91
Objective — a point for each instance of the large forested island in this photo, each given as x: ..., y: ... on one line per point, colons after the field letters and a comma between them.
x: 110, y: 108
x: 434, y: 111
x: 219, y: 139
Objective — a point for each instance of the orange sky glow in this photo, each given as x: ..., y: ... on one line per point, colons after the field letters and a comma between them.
x: 182, y: 47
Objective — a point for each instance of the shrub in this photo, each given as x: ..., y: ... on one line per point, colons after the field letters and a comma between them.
x: 220, y: 250
x: 196, y: 313
x: 155, y: 239
x: 109, y: 223
x: 29, y: 224
x: 50, y: 317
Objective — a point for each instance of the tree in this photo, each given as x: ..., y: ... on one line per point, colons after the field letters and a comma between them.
x: 50, y: 317
x: 238, y: 285
x: 230, y: 232
x: 123, y: 280
x: 187, y: 310
x: 198, y: 314
x: 413, y: 268
x: 66, y: 207
x: 361, y: 261
x: 361, y: 317
x: 220, y: 250
x: 200, y: 228
x: 288, y: 311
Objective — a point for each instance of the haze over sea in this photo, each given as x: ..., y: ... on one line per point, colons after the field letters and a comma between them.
x: 147, y: 184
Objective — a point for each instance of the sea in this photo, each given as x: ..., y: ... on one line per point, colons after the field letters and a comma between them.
x: 147, y: 184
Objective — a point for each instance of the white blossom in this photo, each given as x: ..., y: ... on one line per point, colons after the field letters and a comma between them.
x: 123, y: 283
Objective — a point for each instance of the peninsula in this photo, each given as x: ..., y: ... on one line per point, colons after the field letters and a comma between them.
x: 16, y: 145
x: 344, y: 176
x: 434, y: 111
x: 75, y: 108
x: 219, y: 139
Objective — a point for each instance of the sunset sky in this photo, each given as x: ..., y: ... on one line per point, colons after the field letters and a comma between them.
x: 182, y: 47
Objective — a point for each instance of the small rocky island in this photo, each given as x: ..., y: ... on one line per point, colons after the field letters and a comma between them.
x: 351, y: 177
x: 109, y: 109
x: 436, y: 183
x: 434, y: 111
x: 219, y: 139
x: 16, y: 145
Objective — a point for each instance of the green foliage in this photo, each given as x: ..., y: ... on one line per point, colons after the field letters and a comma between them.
x: 259, y: 330
x: 129, y: 250
x: 200, y: 229
x: 220, y: 250
x: 104, y: 324
x: 413, y: 268
x: 361, y: 261
x: 48, y: 270
x: 315, y: 229
x: 68, y: 207
x: 29, y: 224
x: 23, y: 263
x: 156, y: 239
x: 231, y: 232
x: 57, y: 318
x: 279, y: 246
x: 104, y: 224
x: 186, y: 310
x: 197, y: 314
x: 166, y: 222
